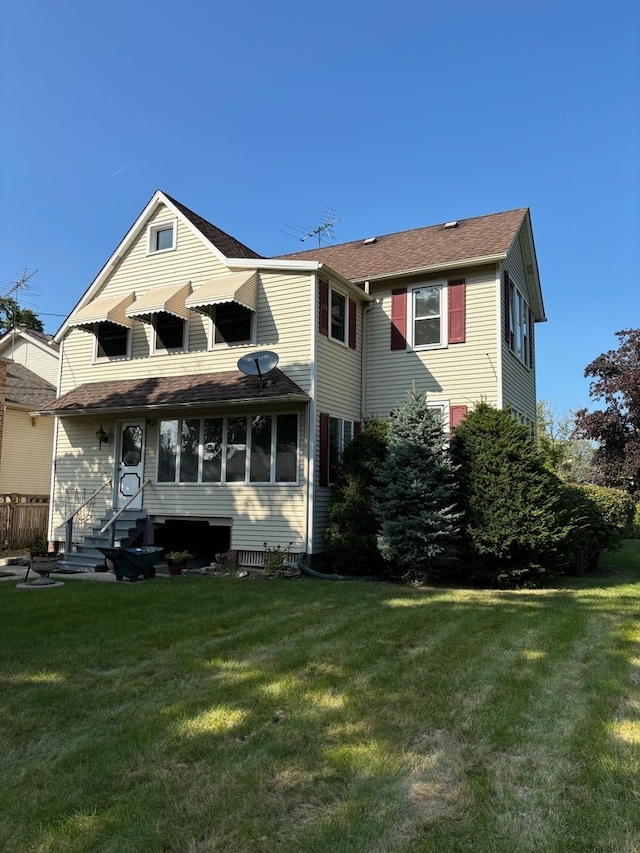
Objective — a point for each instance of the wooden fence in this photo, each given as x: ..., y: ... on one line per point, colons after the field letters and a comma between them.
x: 23, y: 519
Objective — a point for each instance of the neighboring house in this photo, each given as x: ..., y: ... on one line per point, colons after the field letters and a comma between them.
x: 28, y: 380
x: 154, y: 411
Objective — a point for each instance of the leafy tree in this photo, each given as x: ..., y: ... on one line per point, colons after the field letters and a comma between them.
x: 12, y: 315
x: 513, y: 525
x: 564, y: 454
x: 415, y: 499
x: 616, y: 428
x: 351, y: 535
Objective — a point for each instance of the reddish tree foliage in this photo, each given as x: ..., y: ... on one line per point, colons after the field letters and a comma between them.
x: 616, y: 373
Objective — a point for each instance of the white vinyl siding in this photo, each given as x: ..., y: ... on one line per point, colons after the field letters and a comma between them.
x: 43, y: 361
x: 462, y: 374
x: 27, y: 447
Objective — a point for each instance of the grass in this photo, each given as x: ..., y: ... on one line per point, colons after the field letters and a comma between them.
x: 195, y: 714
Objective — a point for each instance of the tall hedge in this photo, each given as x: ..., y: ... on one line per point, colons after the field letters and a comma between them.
x: 514, y: 527
x: 351, y: 535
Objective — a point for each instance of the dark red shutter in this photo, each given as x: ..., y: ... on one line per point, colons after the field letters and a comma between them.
x: 456, y: 415
x: 457, y: 307
x: 323, y: 478
x: 353, y: 319
x: 357, y: 426
x: 507, y: 305
x: 399, y: 318
x: 531, y: 344
x: 323, y: 320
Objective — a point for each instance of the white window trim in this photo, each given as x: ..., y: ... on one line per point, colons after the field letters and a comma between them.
x: 212, y: 345
x: 152, y: 231
x: 154, y: 350
x: 522, y: 324
x: 444, y: 313
x: 223, y: 467
x: 104, y: 359
x: 345, y: 342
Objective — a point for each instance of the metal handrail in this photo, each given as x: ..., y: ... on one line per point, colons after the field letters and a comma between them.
x: 119, y: 512
x: 88, y: 501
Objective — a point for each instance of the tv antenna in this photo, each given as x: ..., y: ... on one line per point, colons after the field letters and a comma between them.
x: 258, y: 364
x: 322, y: 231
x: 21, y: 282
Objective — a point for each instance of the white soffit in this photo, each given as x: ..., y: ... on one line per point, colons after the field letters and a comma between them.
x: 108, y: 309
x: 241, y: 287
x: 168, y: 298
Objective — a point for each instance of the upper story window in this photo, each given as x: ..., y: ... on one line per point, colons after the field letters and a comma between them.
x: 427, y: 314
x: 169, y: 332
x: 112, y: 340
x: 232, y: 324
x: 161, y: 237
x: 338, y: 325
x: 519, y: 323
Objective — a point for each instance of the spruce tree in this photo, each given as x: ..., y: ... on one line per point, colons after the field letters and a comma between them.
x: 415, y: 499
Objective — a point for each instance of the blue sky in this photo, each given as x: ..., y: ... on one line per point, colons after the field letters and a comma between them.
x: 396, y: 116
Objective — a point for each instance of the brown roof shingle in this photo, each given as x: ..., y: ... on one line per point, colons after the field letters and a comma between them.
x: 420, y: 248
x: 26, y: 388
x: 228, y: 245
x: 175, y: 391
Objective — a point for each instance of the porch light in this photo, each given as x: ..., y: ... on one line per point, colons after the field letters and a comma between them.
x: 102, y: 437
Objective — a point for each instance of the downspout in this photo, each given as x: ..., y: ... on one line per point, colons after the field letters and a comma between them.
x: 499, y: 338
x: 311, y: 417
x: 363, y: 354
x: 56, y: 429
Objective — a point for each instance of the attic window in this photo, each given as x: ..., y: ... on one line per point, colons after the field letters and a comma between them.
x: 162, y: 237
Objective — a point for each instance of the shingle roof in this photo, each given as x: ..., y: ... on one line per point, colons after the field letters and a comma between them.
x: 420, y: 248
x: 229, y: 246
x: 26, y: 388
x: 175, y: 391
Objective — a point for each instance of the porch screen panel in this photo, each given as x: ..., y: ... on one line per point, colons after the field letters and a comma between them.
x: 189, y: 450
x: 287, y: 449
x: 260, y: 466
x: 212, y: 451
x: 236, y: 450
x: 168, y: 451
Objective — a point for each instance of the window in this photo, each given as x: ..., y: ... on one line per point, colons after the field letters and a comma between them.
x: 519, y: 323
x: 169, y: 331
x: 427, y: 316
x: 338, y: 316
x: 112, y: 340
x: 232, y: 324
x: 340, y: 435
x: 234, y: 449
x: 161, y: 237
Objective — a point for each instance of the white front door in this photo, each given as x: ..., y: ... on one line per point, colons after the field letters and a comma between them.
x: 129, y: 463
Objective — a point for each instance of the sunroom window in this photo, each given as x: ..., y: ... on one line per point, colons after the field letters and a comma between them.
x: 233, y: 449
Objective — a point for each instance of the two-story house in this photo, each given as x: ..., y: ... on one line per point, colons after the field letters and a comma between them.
x: 154, y: 414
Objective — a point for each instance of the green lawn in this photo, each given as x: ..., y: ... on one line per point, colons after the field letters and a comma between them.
x: 195, y: 714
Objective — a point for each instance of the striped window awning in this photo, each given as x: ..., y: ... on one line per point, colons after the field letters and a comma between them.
x: 168, y: 298
x: 108, y: 309
x: 240, y: 287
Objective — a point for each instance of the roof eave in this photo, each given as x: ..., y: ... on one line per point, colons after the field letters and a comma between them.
x: 297, y: 266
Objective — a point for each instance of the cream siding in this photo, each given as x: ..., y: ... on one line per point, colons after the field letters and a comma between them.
x: 40, y: 361
x: 25, y: 466
x: 458, y: 374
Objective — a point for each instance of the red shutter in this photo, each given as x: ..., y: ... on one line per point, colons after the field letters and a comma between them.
x: 507, y: 306
x: 457, y: 302
x: 399, y: 318
x: 323, y: 320
x: 456, y: 415
x: 353, y: 319
x: 357, y: 426
x: 323, y: 478
x: 531, y: 345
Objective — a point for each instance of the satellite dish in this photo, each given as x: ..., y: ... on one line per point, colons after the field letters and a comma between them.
x: 258, y: 363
